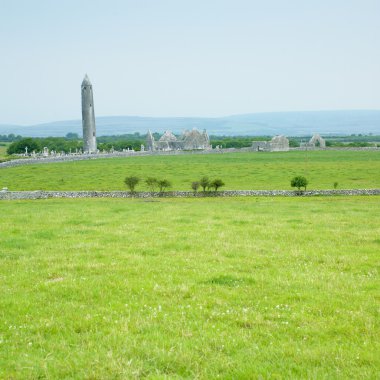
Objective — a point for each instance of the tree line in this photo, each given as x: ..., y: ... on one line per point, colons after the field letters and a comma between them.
x: 10, y: 138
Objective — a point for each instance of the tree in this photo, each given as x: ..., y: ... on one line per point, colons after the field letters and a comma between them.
x: 335, y: 185
x: 163, y: 184
x: 293, y: 143
x: 195, y: 186
x: 19, y: 146
x: 216, y: 183
x: 72, y: 136
x: 152, y: 183
x: 131, y: 183
x: 298, y: 182
x: 204, y: 182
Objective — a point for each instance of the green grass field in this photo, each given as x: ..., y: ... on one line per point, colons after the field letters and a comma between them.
x: 190, y: 288
x: 240, y: 171
x: 3, y: 150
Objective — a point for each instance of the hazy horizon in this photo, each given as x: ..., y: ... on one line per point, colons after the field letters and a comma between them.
x: 188, y: 117
x: 187, y: 59
x: 265, y: 123
x: 193, y: 116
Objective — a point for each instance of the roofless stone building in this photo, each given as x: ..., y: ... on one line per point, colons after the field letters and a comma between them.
x: 88, y: 117
x: 277, y: 144
x: 314, y: 143
x: 189, y: 140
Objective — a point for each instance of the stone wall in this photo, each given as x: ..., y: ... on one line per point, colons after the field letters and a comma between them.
x: 47, y: 160
x: 39, y: 194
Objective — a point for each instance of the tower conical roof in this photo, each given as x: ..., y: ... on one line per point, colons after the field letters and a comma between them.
x: 86, y: 81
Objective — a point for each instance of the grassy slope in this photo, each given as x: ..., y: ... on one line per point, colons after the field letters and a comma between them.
x: 190, y: 288
x: 239, y: 171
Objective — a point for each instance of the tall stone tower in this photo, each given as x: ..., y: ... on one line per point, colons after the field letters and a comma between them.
x: 88, y: 117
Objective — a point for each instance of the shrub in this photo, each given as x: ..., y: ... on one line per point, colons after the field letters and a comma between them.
x: 204, y: 182
x: 216, y: 183
x: 298, y: 182
x: 131, y: 183
x: 293, y: 143
x: 335, y: 185
x: 152, y: 183
x: 18, y: 147
x: 195, y: 186
x: 163, y: 184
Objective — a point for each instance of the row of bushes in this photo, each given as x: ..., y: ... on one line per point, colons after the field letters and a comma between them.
x: 300, y: 181
x: 153, y: 183
x: 356, y: 144
x: 205, y: 183
x: 161, y: 185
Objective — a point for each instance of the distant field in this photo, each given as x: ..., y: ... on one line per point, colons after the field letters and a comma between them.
x: 351, y: 169
x: 195, y: 288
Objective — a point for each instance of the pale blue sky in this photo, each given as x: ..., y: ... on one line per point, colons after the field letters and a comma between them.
x: 187, y: 57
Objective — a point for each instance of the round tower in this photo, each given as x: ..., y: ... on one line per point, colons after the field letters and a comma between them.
x: 88, y: 117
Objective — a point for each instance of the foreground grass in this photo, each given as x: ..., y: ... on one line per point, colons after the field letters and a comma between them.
x: 240, y: 171
x: 197, y: 288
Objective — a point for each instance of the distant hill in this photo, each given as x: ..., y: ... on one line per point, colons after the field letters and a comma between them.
x: 271, y: 123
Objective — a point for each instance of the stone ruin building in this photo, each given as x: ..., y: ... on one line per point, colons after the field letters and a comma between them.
x: 189, y: 140
x: 277, y: 144
x: 315, y: 142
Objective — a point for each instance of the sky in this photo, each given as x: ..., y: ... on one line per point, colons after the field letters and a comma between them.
x: 187, y: 57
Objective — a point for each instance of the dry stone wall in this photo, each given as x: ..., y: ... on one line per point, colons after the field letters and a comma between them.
x: 47, y: 160
x: 39, y: 194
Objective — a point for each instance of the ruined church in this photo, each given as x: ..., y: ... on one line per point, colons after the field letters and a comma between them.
x: 277, y: 144
x: 189, y: 140
x: 315, y: 142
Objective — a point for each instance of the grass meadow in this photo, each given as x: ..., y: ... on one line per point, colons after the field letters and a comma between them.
x: 191, y: 288
x: 240, y: 171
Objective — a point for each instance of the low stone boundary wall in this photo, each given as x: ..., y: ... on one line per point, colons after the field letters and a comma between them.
x: 39, y: 194
x: 339, y: 148
x: 48, y: 160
